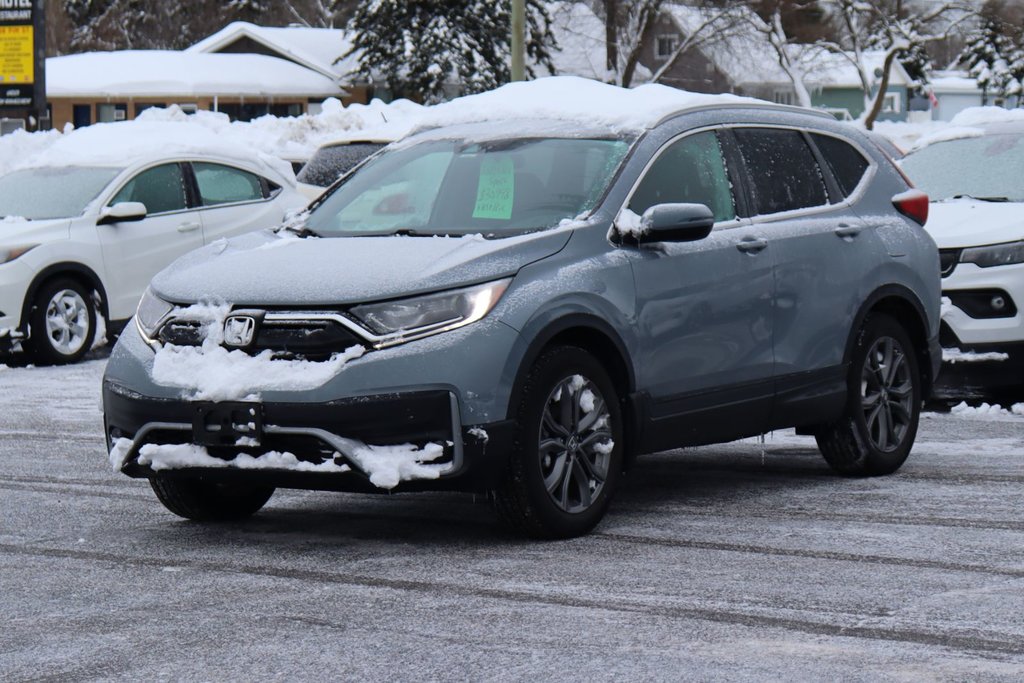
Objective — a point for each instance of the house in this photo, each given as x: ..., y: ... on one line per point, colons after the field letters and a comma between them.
x: 95, y: 87
x: 322, y: 50
x: 953, y: 91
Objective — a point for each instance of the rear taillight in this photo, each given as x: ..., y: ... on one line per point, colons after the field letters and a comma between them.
x: 913, y: 204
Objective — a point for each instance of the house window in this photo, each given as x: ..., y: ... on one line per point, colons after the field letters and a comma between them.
x: 892, y: 103
x: 105, y: 113
x: 665, y: 45
x: 783, y: 97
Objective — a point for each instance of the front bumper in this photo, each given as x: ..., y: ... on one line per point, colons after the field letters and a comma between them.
x: 970, y: 287
x: 315, y: 433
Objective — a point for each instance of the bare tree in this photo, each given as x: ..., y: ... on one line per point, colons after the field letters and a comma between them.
x: 792, y: 57
x: 893, y: 27
x: 713, y: 24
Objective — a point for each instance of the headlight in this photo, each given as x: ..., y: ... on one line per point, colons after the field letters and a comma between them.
x: 151, y: 312
x: 401, y: 321
x: 994, y: 255
x: 10, y: 253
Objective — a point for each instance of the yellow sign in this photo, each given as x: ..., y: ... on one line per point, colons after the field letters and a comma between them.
x: 16, y: 55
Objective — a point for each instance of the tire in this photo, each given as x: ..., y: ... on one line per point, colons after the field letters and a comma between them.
x: 62, y: 320
x: 883, y: 403
x: 562, y: 473
x: 204, y: 501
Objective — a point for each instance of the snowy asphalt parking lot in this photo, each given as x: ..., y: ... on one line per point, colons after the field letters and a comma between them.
x: 737, y: 562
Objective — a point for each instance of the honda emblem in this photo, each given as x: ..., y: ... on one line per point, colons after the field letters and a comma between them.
x: 239, y: 330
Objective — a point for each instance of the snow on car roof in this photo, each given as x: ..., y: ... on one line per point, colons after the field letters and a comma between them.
x: 150, y: 138
x: 577, y: 100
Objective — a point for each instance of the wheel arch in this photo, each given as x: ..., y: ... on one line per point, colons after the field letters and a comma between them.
x: 70, y: 269
x: 905, y: 307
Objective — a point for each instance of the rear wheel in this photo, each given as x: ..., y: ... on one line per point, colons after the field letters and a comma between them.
x: 568, y: 453
x: 883, y: 403
x: 63, y: 322
x: 204, y: 501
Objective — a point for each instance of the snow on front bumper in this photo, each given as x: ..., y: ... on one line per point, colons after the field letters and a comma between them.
x: 316, y: 446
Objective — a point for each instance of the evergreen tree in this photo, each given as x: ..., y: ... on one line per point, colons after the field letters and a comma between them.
x: 420, y: 52
x: 994, y: 61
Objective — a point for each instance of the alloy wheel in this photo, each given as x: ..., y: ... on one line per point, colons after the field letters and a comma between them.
x: 67, y: 322
x: 887, y: 393
x: 575, y: 444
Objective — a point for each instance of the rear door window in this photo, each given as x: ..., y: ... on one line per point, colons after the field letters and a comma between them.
x: 161, y: 189
x: 847, y: 164
x: 783, y: 172
x: 225, y: 185
x: 689, y: 171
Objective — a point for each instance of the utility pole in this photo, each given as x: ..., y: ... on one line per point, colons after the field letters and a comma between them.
x: 518, y: 40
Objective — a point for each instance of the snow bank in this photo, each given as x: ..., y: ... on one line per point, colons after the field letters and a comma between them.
x: 983, y: 116
x: 19, y: 146
x: 950, y: 132
x: 213, y: 373
x: 578, y: 100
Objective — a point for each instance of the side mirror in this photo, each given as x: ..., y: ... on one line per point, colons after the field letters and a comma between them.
x: 122, y: 212
x: 675, y: 223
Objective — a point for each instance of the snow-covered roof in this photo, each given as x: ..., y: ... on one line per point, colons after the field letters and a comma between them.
x: 953, y: 81
x: 580, y: 101
x: 581, y: 40
x: 160, y: 73
x: 314, y: 48
x: 149, y: 138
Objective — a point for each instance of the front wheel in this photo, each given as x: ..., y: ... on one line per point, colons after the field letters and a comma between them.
x: 205, y: 501
x: 883, y: 403
x: 568, y: 452
x: 62, y: 322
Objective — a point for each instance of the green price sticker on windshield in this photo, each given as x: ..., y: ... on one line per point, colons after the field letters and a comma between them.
x: 496, y: 189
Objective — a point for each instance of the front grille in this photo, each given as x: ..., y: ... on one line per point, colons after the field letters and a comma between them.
x: 307, y: 339
x: 948, y: 258
x: 310, y: 338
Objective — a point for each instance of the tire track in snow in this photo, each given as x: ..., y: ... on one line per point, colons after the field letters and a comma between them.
x: 996, y: 643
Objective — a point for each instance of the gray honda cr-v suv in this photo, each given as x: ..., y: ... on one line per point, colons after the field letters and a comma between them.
x: 522, y: 307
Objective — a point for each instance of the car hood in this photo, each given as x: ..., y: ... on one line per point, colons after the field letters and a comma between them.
x: 270, y: 269
x: 966, y: 222
x: 21, y: 233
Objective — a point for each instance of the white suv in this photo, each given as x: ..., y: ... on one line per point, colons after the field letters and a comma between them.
x: 977, y: 220
x: 87, y: 224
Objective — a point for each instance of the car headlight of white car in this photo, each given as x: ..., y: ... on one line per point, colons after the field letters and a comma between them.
x: 400, y: 321
x: 151, y: 312
x: 994, y: 255
x: 8, y: 254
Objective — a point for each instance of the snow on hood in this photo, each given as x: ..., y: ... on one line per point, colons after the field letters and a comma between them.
x: 579, y: 100
x: 986, y: 116
x: 967, y: 222
x: 266, y: 268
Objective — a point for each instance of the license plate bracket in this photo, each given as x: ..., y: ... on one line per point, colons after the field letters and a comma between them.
x: 228, y: 424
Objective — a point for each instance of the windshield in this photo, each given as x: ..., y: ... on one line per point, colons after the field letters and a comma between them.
x: 330, y: 163
x: 987, y: 167
x: 41, y: 193
x: 457, y: 187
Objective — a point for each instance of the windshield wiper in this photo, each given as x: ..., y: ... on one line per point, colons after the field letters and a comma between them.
x: 303, y: 231
x: 981, y: 199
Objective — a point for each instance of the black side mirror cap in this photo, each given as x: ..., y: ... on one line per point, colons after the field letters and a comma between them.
x: 675, y: 223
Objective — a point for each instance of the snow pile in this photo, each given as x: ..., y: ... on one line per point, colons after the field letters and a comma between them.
x: 957, y: 356
x: 984, y: 116
x: 578, y: 100
x: 905, y: 134
x: 388, y: 465
x: 213, y: 373
x: 19, y: 146
x: 176, y: 456
x: 946, y: 134
x: 986, y: 411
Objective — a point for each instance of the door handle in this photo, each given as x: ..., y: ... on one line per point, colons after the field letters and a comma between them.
x: 752, y: 245
x: 188, y: 227
x: 846, y: 231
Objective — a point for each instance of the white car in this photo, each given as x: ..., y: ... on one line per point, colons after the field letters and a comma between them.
x: 976, y: 183
x: 86, y: 224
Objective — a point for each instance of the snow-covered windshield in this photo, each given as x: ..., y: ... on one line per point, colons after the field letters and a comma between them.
x: 457, y: 187
x: 42, y: 193
x: 986, y: 167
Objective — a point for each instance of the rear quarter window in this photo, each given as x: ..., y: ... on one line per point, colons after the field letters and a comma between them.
x: 847, y: 164
x: 782, y: 169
